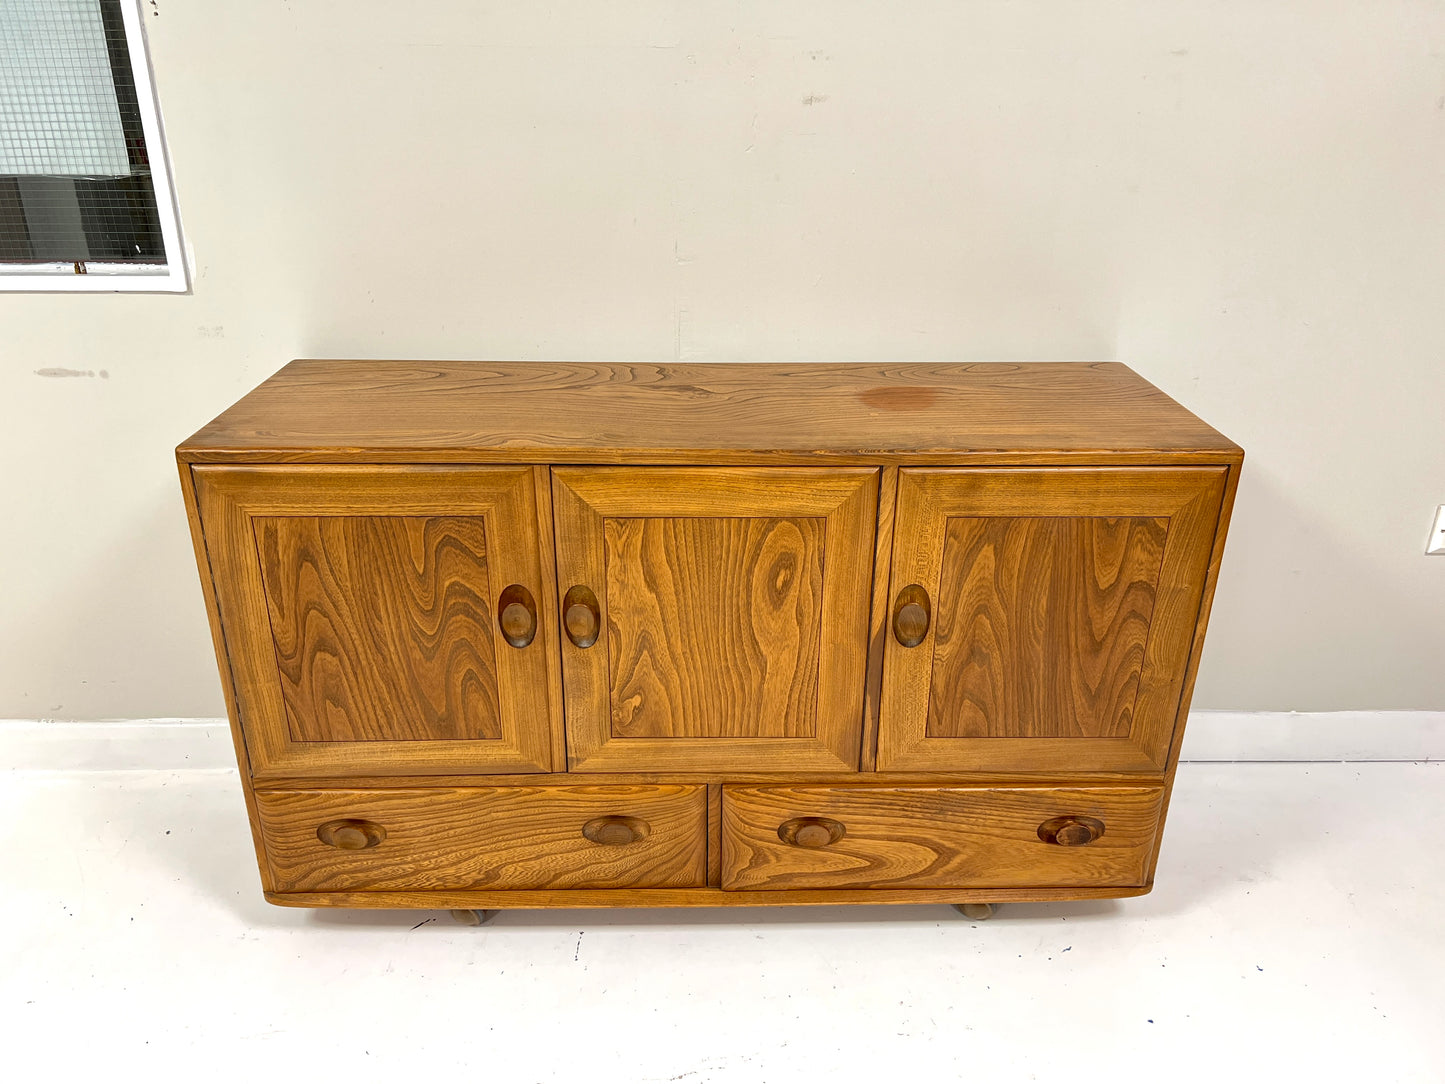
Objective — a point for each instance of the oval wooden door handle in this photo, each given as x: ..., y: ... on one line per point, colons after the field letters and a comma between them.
x: 517, y: 615
x: 912, y: 614
x: 811, y: 832
x: 615, y: 831
x: 1071, y: 831
x: 351, y: 835
x: 581, y: 616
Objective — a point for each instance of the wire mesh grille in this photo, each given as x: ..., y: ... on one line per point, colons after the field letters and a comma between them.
x: 75, y: 180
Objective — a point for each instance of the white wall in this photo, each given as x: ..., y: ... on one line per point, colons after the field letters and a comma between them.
x: 1243, y: 200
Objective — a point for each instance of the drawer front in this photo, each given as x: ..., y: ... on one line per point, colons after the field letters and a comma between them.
x: 937, y: 837
x: 485, y: 837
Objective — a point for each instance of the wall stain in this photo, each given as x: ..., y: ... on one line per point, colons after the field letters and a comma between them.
x: 58, y: 371
x: 815, y: 99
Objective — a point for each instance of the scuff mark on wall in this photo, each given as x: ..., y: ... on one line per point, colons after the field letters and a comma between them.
x: 60, y: 371
x: 814, y: 99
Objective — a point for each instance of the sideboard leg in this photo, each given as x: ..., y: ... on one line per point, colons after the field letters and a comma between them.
x: 977, y: 911
x: 469, y: 917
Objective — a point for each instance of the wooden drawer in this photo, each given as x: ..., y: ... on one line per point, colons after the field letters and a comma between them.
x: 485, y: 837
x: 937, y: 837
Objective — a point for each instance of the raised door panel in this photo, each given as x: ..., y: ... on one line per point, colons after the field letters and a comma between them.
x: 1053, y: 613
x: 383, y: 620
x: 381, y: 626
x: 731, y: 616
x: 674, y: 669
x: 1042, y: 624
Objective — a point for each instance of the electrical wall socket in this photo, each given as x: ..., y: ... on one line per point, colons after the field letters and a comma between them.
x: 1437, y: 533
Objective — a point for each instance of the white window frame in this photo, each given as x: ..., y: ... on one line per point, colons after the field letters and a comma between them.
x: 172, y: 277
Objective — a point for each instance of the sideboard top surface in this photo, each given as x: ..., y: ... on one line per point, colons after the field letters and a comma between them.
x: 487, y: 411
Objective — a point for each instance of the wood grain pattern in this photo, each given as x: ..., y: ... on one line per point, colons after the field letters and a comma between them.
x: 714, y: 834
x: 740, y: 777
x: 382, y: 626
x: 879, y: 611
x: 747, y: 547
x: 713, y: 626
x: 428, y: 676
x: 992, y: 677
x: 1041, y: 625
x: 934, y: 837
x: 518, y: 837
x: 692, y: 897
x: 548, y: 620
x: 527, y: 412
x: 1079, y: 531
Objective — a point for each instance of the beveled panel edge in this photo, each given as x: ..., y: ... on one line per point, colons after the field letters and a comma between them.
x: 723, y: 755
x: 1047, y: 755
x: 1153, y: 730
x: 816, y: 491
x: 310, y: 760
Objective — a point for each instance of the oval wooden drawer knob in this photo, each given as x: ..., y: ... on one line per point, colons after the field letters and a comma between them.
x: 351, y: 835
x: 1071, y: 831
x: 912, y: 615
x: 811, y: 832
x: 581, y: 616
x: 615, y: 831
x: 517, y: 615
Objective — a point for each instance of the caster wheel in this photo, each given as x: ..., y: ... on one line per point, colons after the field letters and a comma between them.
x: 976, y: 911
x: 466, y: 917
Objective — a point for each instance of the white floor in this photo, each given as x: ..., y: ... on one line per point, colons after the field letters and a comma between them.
x: 1296, y: 932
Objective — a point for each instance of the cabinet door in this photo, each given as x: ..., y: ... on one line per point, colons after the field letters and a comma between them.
x: 714, y: 619
x: 1042, y: 620
x: 383, y: 620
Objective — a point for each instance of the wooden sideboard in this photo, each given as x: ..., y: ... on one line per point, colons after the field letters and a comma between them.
x: 541, y: 635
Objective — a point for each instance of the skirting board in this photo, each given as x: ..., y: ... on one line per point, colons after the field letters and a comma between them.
x: 1314, y: 736
x: 190, y: 744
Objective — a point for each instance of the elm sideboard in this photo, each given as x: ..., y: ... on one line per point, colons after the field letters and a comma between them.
x: 517, y: 635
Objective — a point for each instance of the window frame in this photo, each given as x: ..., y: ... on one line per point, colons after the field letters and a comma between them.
x: 172, y: 277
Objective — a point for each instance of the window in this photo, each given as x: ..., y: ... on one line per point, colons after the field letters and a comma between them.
x: 85, y: 199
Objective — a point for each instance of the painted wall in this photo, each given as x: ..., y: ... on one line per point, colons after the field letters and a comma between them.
x: 1244, y: 201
